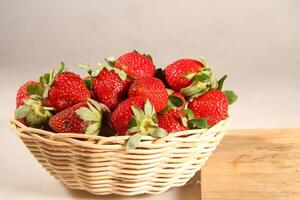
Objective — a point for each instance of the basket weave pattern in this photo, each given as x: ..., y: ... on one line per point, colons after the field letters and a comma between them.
x: 102, y: 165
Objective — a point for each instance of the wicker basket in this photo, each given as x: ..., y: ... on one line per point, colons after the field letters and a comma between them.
x: 102, y: 165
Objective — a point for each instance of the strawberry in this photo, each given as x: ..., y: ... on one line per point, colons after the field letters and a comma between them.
x: 189, y: 77
x: 22, y: 93
x: 33, y: 113
x: 151, y: 88
x: 83, y: 117
x: 170, y: 119
x: 123, y: 113
x: 136, y: 65
x: 174, y: 72
x: 171, y: 122
x: 66, y: 90
x: 109, y: 84
x: 30, y: 109
x: 109, y: 88
x: 213, y: 106
x: 129, y: 118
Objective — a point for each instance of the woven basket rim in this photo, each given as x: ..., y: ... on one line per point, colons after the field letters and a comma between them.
x: 14, y: 123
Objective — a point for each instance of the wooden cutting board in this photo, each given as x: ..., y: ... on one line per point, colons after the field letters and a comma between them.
x: 254, y: 164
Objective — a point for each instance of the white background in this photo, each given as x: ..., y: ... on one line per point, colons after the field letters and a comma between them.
x: 257, y: 43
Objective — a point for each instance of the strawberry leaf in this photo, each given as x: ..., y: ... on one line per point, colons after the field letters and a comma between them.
x: 22, y: 111
x: 201, y: 77
x: 37, y: 89
x: 120, y: 73
x: 51, y: 77
x: 231, y: 96
x: 62, y: 68
x: 189, y: 113
x: 134, y: 129
x: 203, y: 60
x: 134, y: 141
x: 189, y: 75
x: 45, y: 78
x: 41, y: 79
x: 93, y: 129
x: 138, y: 113
x: 95, y: 104
x: 87, y: 68
x: 154, y: 118
x: 148, y: 108
x: 86, y: 114
x: 111, y: 61
x: 175, y: 101
x: 46, y: 91
x: 131, y: 78
x: 165, y: 110
x: 88, y: 84
x: 96, y: 72
x: 159, y: 133
x: 221, y: 82
x: 108, y: 67
x: 184, y: 121
x: 93, y: 109
x: 197, y: 123
x: 132, y: 123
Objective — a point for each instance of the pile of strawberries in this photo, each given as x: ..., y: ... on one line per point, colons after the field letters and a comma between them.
x: 126, y: 96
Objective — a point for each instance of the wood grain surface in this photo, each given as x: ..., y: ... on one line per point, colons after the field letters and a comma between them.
x: 254, y: 164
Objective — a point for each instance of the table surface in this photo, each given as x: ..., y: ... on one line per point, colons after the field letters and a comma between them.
x: 254, y: 164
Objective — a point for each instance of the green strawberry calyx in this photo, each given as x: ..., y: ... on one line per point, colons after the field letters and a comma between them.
x: 231, y: 96
x: 95, y: 72
x: 47, y: 79
x: 201, y: 82
x: 111, y: 65
x: 93, y: 114
x: 144, y: 122
x: 191, y: 122
x: 174, y: 102
x: 34, y: 112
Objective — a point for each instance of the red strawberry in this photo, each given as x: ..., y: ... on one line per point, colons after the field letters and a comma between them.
x: 151, y: 88
x: 123, y: 113
x: 171, y: 119
x: 67, y: 121
x: 175, y: 71
x: 67, y: 90
x: 109, y: 88
x: 82, y: 117
x: 190, y: 77
x: 22, y: 93
x: 213, y: 106
x: 136, y: 65
x: 129, y: 118
x: 171, y: 122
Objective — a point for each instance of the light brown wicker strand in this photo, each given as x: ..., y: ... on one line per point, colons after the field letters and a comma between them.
x: 102, y: 165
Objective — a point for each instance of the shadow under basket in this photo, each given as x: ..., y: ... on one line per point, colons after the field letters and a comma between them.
x: 102, y: 165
